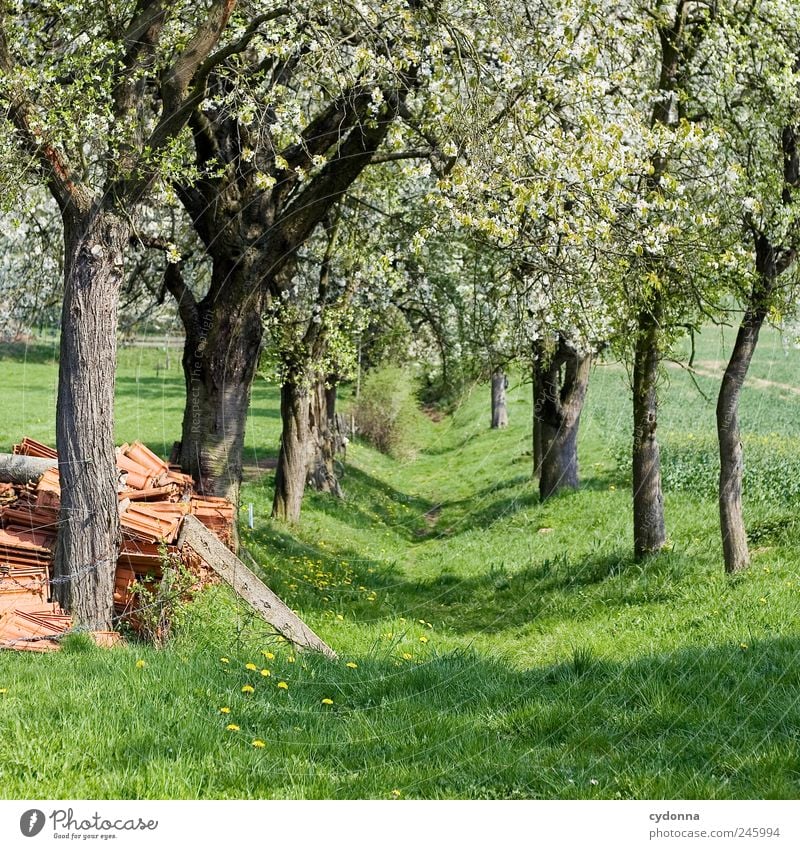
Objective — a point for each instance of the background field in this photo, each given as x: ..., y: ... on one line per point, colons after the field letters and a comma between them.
x: 497, y: 647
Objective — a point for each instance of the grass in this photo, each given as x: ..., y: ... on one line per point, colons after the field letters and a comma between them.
x: 503, y: 648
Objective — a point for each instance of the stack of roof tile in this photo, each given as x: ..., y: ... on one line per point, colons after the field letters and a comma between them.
x: 31, y: 448
x: 154, y: 498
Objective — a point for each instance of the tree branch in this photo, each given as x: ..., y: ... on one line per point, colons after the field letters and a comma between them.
x: 184, y: 298
x: 394, y: 156
x: 327, y: 128
x: 241, y: 43
x: 52, y: 163
x: 182, y: 90
x: 140, y: 39
x: 323, y: 191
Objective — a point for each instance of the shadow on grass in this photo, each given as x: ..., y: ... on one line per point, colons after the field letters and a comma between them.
x: 449, y: 448
x: 154, y: 388
x: 707, y: 722
x: 370, y: 502
x: 35, y: 352
x: 503, y: 596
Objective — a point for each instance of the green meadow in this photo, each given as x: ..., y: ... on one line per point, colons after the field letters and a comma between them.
x: 490, y: 646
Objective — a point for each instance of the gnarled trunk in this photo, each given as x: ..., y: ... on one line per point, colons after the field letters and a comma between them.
x: 220, y: 357
x: 324, y: 437
x: 89, y: 530
x: 649, y: 534
x: 290, y: 476
x: 734, y: 535
x: 499, y: 408
x: 561, y: 381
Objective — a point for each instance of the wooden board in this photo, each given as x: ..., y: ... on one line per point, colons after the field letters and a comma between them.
x: 250, y: 587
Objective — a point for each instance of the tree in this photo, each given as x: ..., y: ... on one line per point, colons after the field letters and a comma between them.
x: 311, y: 332
x: 762, y: 97
x: 273, y: 155
x: 77, y: 92
x: 327, y: 94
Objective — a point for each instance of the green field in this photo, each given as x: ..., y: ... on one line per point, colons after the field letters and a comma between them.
x: 498, y: 648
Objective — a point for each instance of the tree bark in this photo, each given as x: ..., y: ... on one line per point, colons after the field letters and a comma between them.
x: 537, y: 394
x: 290, y: 476
x: 731, y: 466
x: 89, y: 533
x: 734, y: 535
x: 220, y: 357
x: 499, y: 408
x: 324, y: 439
x: 561, y: 381
x: 649, y: 534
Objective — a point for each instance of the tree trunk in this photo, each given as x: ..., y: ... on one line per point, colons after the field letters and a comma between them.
x: 220, y: 358
x: 562, y: 388
x: 89, y: 532
x: 537, y: 395
x: 499, y: 408
x: 649, y: 533
x: 290, y: 476
x: 323, y: 437
x: 734, y: 535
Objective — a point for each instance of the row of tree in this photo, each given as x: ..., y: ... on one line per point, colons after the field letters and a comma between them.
x: 516, y: 182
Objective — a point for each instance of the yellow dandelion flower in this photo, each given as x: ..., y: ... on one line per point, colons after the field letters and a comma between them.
x: 327, y: 701
x: 140, y: 664
x: 268, y: 655
x: 224, y: 660
x: 258, y: 744
x: 396, y: 794
x: 224, y: 710
x: 251, y: 666
x: 743, y: 646
x: 231, y: 727
x: 290, y: 659
x: 282, y: 685
x: 407, y: 656
x: 248, y: 689
x: 763, y: 600
x: 423, y: 639
x: 351, y: 665
x: 3, y: 691
x: 266, y: 673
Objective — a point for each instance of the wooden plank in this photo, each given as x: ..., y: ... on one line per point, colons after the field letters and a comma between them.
x: 246, y: 584
x: 20, y: 469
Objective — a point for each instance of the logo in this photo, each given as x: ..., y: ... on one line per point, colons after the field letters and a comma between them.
x: 31, y: 822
